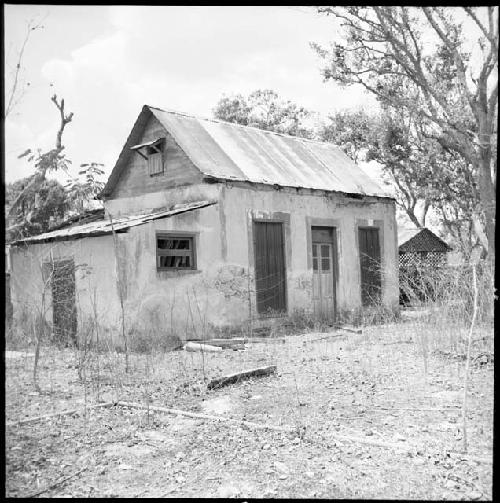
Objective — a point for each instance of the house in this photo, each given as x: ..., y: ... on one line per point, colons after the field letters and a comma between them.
x: 421, y: 247
x: 422, y: 254
x: 210, y: 225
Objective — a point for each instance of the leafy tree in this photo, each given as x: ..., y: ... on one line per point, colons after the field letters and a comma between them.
x: 44, y: 162
x: 34, y: 200
x: 415, y: 165
x: 264, y: 109
x: 39, y: 209
x: 80, y: 192
x: 233, y: 109
x: 417, y: 60
x: 352, y: 131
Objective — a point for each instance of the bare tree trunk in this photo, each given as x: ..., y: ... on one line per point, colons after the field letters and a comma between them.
x: 488, y: 199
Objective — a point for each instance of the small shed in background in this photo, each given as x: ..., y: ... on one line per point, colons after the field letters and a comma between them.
x: 421, y: 248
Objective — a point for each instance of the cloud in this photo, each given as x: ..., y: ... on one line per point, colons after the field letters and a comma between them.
x: 183, y: 58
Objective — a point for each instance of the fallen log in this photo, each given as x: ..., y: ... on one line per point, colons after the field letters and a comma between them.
x: 195, y: 347
x: 56, y: 414
x: 196, y: 415
x: 224, y: 343
x: 239, y: 376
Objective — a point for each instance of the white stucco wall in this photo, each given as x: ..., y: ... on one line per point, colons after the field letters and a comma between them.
x: 189, y: 303
x: 240, y: 205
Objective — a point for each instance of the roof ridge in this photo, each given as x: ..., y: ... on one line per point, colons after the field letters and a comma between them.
x: 211, y: 119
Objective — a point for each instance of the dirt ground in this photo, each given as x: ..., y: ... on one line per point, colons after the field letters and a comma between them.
x: 371, y: 387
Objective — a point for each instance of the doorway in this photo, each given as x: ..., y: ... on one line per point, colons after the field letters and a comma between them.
x: 324, y: 259
x: 369, y: 256
x: 63, y: 301
x: 270, y: 270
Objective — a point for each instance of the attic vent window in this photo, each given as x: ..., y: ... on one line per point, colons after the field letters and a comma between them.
x: 152, y: 151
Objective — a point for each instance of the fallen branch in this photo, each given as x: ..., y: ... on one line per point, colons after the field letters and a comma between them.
x: 285, y: 429
x: 223, y: 343
x: 57, y: 414
x: 239, y: 376
x: 329, y: 336
x: 195, y: 415
x: 451, y: 408
x: 59, y: 482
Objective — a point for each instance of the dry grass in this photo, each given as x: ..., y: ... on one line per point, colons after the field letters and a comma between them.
x: 371, y: 386
x: 400, y: 383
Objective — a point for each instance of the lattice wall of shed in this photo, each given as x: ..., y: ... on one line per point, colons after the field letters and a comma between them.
x: 422, y: 259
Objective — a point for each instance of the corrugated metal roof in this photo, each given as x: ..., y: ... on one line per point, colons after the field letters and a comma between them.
x: 231, y: 151
x: 227, y: 151
x: 106, y: 227
x: 412, y: 239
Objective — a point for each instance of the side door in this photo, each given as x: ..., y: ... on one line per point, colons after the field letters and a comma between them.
x: 64, y: 317
x: 369, y: 256
x: 324, y: 258
x: 270, y: 270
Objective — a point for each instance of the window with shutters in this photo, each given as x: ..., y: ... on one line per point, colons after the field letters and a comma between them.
x: 175, y: 251
x: 153, y: 153
x: 155, y: 158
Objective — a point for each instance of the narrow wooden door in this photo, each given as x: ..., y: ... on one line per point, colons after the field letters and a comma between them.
x: 63, y: 301
x: 324, y: 280
x: 270, y: 270
x: 369, y: 256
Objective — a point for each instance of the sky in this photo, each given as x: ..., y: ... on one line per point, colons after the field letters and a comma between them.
x: 108, y: 61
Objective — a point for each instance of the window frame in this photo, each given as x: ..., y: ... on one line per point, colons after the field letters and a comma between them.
x: 192, y: 236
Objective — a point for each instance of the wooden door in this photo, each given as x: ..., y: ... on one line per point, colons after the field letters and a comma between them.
x: 369, y: 256
x: 270, y: 270
x: 63, y: 301
x: 324, y: 258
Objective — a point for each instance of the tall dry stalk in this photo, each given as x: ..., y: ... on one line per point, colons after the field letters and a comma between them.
x: 120, y: 287
x: 467, y: 360
x: 202, y: 351
x: 39, y: 328
x: 93, y: 300
x: 250, y: 328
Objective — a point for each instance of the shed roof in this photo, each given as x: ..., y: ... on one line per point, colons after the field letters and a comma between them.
x: 101, y: 227
x: 226, y: 151
x: 413, y: 239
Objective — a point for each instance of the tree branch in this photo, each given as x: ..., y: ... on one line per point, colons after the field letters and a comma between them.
x: 487, y: 34
x: 458, y: 59
x: 65, y: 119
x: 11, y: 103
